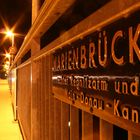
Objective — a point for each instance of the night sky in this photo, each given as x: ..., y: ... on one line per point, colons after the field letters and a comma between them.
x: 15, y: 14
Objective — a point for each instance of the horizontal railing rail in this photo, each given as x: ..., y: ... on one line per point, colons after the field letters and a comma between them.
x: 79, y: 30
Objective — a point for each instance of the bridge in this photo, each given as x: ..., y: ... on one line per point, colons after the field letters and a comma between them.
x: 48, y: 102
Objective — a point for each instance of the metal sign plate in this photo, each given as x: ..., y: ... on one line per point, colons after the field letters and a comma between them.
x: 101, y: 72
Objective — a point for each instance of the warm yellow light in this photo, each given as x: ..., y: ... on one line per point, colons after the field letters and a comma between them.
x: 7, y: 63
x: 69, y: 124
x: 9, y: 33
x: 6, y: 67
x: 7, y: 55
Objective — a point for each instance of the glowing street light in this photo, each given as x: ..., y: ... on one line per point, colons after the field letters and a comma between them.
x: 7, y: 63
x: 9, y: 33
x: 7, y: 55
x: 12, y: 49
x: 6, y: 66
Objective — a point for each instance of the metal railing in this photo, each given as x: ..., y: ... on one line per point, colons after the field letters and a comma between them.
x: 34, y: 100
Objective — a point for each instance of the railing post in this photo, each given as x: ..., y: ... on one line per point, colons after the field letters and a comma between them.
x: 35, y: 9
x: 87, y: 126
x: 106, y: 130
x: 132, y: 136
x: 74, y: 123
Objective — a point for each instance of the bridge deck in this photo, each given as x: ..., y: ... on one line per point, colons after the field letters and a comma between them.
x: 9, y: 129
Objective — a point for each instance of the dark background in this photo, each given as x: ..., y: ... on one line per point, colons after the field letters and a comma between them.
x: 16, y: 14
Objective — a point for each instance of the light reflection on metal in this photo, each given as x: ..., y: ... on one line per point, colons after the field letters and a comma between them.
x: 13, y: 79
x: 69, y: 124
